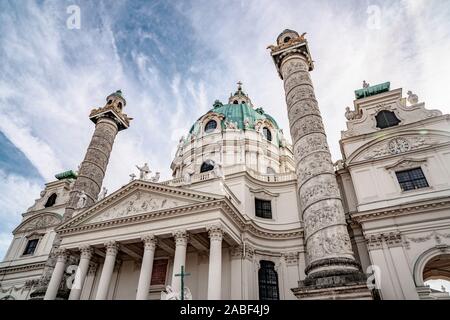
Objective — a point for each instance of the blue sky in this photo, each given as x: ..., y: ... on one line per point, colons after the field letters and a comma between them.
x: 172, y: 59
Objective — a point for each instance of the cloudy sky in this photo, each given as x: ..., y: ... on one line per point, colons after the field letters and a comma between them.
x: 172, y: 59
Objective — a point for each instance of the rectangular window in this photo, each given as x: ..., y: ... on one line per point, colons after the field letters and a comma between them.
x: 31, y: 246
x: 411, y: 179
x: 263, y: 208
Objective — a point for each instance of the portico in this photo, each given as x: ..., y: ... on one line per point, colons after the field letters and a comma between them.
x: 172, y: 246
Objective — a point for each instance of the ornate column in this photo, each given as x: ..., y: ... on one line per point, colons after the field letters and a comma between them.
x: 57, y: 274
x: 237, y: 281
x: 147, y: 267
x: 108, y: 121
x: 329, y: 252
x: 181, y: 241
x: 108, y: 267
x: 80, y: 275
x: 215, y: 262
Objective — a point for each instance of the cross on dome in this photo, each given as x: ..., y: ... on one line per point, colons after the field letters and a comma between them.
x: 239, y: 97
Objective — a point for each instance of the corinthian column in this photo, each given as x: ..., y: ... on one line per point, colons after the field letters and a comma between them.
x: 80, y: 275
x: 328, y: 245
x: 108, y: 267
x: 146, y: 267
x: 181, y: 241
x: 215, y: 263
x: 57, y: 275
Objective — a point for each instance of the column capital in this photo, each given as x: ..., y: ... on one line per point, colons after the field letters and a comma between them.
x: 215, y: 232
x: 150, y: 241
x: 181, y: 237
x: 86, y: 251
x: 61, y: 254
x: 112, y: 247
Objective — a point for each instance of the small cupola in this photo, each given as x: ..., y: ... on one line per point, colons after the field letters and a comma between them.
x: 239, y: 97
x: 116, y: 99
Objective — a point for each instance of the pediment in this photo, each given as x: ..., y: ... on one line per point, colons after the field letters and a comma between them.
x: 137, y: 198
x: 397, y: 144
x: 39, y: 222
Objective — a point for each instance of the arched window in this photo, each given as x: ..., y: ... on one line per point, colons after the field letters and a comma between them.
x: 286, y: 39
x: 235, y: 102
x: 210, y: 126
x: 51, y: 200
x: 436, y: 275
x: 109, y: 101
x: 208, y: 165
x: 386, y: 119
x: 267, y: 133
x: 120, y: 105
x: 268, y: 281
x: 243, y: 102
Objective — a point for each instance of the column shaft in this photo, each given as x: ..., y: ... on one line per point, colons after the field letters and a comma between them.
x: 80, y: 275
x: 181, y: 240
x: 146, y: 268
x: 107, y: 271
x: 57, y: 275
x: 215, y: 263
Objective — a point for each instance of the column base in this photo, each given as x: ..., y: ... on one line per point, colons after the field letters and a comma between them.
x: 334, y: 279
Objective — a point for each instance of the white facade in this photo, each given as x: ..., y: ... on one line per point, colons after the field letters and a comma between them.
x: 207, y: 221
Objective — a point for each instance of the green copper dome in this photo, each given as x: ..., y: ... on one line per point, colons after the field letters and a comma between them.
x: 237, y: 113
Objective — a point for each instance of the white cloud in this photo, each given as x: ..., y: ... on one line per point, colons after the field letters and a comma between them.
x: 17, y: 195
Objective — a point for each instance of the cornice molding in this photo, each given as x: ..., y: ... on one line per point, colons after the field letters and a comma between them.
x: 22, y: 268
x: 403, y: 209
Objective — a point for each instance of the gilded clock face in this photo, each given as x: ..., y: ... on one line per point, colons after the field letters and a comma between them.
x: 398, y: 145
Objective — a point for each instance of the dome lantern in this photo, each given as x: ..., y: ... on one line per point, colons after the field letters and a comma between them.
x: 239, y: 97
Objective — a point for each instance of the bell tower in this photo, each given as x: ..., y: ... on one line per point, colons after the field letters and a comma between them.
x: 329, y: 256
x: 109, y: 120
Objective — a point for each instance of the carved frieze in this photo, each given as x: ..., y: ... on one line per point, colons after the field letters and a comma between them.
x: 307, y: 125
x: 39, y: 222
x: 293, y: 66
x: 314, y: 164
x: 139, y: 202
x: 396, y: 146
x: 332, y: 241
x: 310, y: 143
x: 322, y: 188
x: 321, y: 215
x: 296, y: 79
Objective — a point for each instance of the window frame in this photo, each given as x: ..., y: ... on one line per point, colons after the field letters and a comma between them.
x: 206, y: 130
x: 418, y: 182
x: 270, y: 281
x: 262, y: 209
x: 27, y: 245
x: 267, y: 133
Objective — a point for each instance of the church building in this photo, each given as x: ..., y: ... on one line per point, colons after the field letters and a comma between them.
x: 247, y: 214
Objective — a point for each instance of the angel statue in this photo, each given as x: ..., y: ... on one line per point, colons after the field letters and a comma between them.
x: 156, y: 177
x: 169, y: 294
x: 132, y: 176
x: 351, y: 115
x: 102, y: 194
x: 144, y: 171
x: 218, y: 169
x: 365, y: 84
x: 82, y: 200
x: 412, y: 98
